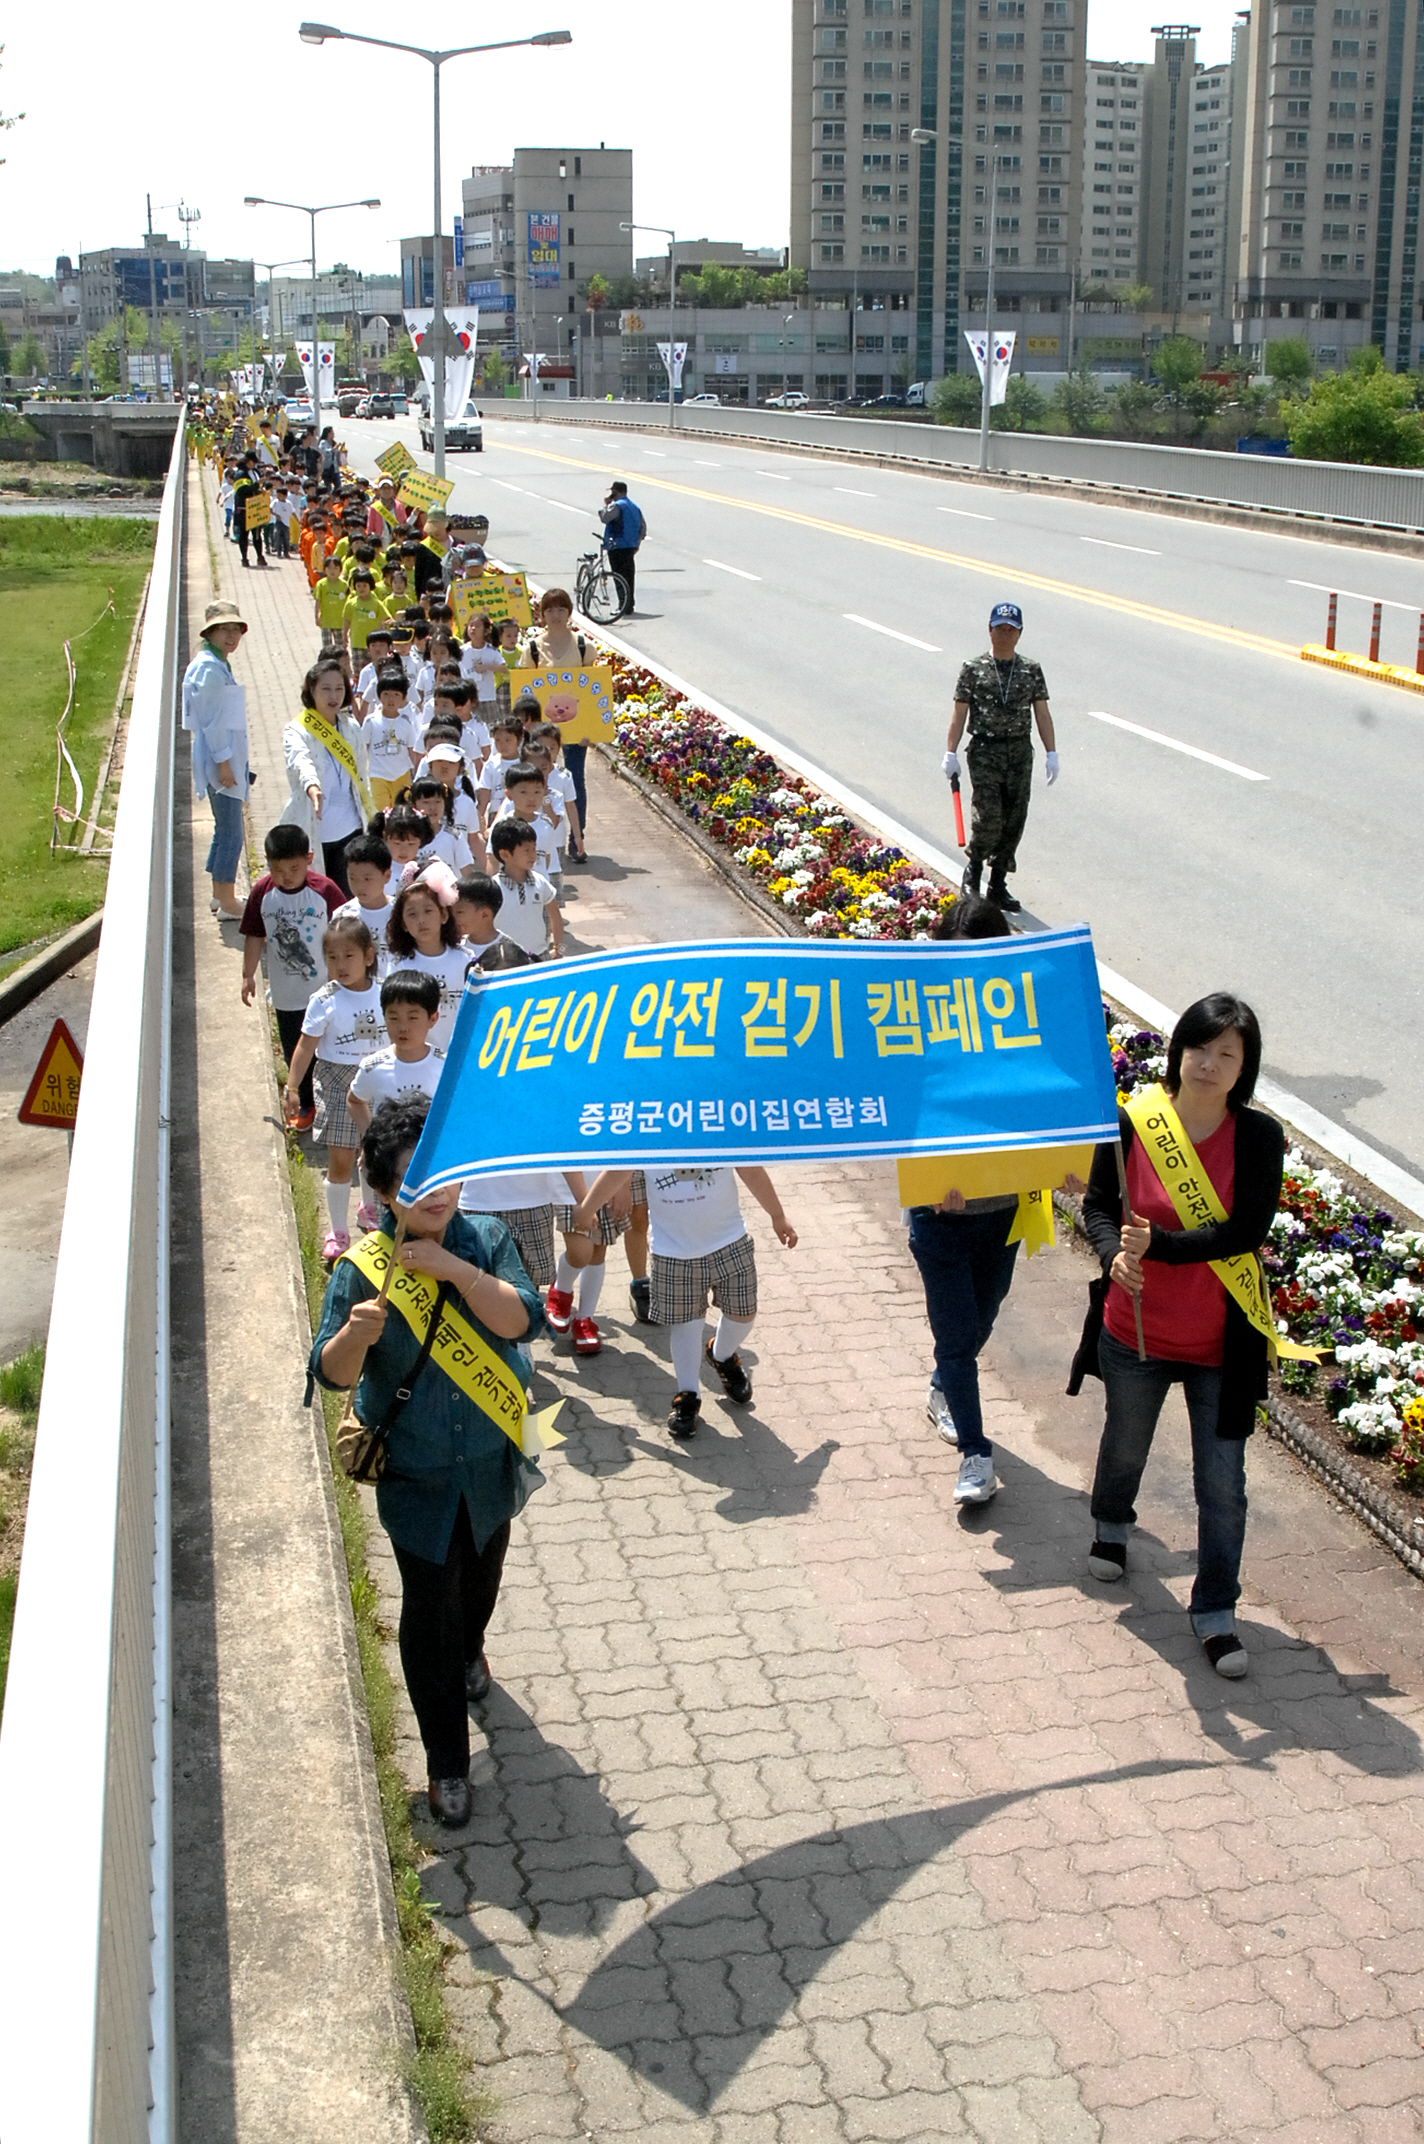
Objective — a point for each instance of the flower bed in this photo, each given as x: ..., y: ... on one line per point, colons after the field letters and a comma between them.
x: 1345, y: 1277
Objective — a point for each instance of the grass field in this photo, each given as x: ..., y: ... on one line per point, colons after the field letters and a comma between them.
x: 56, y: 576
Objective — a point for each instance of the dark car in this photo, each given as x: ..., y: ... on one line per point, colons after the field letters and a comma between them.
x: 382, y: 406
x: 882, y: 402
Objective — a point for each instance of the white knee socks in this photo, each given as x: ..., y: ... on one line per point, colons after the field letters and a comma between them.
x: 590, y: 1289
x: 685, y: 1342
x: 730, y: 1334
x: 338, y: 1205
x: 565, y: 1277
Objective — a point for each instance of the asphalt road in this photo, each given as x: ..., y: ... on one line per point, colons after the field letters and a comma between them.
x: 832, y: 606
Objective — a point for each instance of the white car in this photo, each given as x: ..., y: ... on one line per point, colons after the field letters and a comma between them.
x: 715, y: 400
x: 299, y: 412
x: 792, y: 399
x: 463, y: 433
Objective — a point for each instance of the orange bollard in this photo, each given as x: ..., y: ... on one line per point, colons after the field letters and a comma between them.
x: 1375, y: 632
x: 1330, y: 620
x: 1419, y: 658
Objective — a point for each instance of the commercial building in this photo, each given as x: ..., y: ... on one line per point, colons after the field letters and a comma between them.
x: 534, y: 232
x: 1333, y: 146
x: 742, y: 353
x: 885, y: 224
x: 695, y: 254
x: 157, y: 275
x: 344, y: 297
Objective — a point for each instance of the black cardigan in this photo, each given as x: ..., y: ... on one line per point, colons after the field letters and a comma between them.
x: 1260, y: 1164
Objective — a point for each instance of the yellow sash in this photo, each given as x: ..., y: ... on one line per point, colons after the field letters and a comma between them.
x: 327, y: 735
x: 467, y: 1360
x: 1194, y: 1201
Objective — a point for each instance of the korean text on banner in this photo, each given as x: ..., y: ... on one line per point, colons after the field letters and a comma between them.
x: 396, y: 460
x: 259, y: 510
x: 742, y: 1052
x: 498, y: 595
x: 419, y: 489
x: 579, y: 699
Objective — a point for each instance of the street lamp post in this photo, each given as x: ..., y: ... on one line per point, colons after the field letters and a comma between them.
x: 273, y: 332
x: 786, y: 321
x: 303, y: 208
x: 317, y: 33
x: 921, y: 135
x: 671, y: 236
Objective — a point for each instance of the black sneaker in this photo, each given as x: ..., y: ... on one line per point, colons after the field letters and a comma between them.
x: 450, y: 1802
x: 1107, y: 1560
x: 1227, y: 1655
x: 1000, y: 895
x: 970, y: 882
x: 640, y: 1295
x: 683, y: 1413
x: 477, y: 1679
x: 735, y: 1381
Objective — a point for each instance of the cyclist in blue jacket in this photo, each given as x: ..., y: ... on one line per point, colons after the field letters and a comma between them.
x: 623, y: 530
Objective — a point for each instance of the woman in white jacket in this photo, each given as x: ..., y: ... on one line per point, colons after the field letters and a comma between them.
x: 326, y: 767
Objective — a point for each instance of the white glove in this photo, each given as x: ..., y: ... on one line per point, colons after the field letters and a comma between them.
x: 1050, y: 766
x: 950, y: 763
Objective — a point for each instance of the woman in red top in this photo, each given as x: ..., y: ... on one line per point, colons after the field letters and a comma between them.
x: 1193, y: 1333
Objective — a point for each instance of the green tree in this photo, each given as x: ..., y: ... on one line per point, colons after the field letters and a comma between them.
x: 1289, y: 363
x: 1023, y: 408
x: 1177, y: 367
x: 495, y: 373
x: 1078, y: 400
x: 597, y: 292
x: 405, y: 364
x: 1363, y: 415
x: 955, y: 399
x: 1131, y: 410
x: 30, y: 358
x: 1135, y: 297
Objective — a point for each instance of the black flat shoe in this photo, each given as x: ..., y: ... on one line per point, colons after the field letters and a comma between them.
x: 1227, y: 1655
x: 450, y: 1802
x: 477, y: 1679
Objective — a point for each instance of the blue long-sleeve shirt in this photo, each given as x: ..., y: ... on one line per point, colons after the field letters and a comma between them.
x: 443, y: 1447
x: 215, y: 710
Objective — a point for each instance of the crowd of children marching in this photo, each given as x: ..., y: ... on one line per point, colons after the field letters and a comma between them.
x: 430, y: 817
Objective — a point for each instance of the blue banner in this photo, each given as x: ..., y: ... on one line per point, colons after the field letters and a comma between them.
x: 746, y: 1051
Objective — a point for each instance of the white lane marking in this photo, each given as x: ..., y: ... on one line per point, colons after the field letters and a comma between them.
x: 1321, y: 589
x: 962, y: 513
x: 707, y: 465
x: 561, y: 503
x: 656, y: 453
x: 775, y: 475
x: 891, y: 634
x: 1104, y: 544
x: 721, y: 568
x: 848, y: 492
x: 1175, y: 744
x: 509, y: 487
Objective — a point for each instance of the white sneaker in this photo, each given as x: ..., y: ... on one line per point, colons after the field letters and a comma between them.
x: 937, y: 1408
x: 977, y: 1480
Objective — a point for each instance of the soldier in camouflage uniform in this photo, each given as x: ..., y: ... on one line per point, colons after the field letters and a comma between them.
x: 1000, y: 696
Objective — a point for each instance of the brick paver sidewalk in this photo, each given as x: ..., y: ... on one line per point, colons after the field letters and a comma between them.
x: 812, y: 1808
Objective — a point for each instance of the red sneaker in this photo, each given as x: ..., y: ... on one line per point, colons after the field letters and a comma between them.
x: 586, y: 1340
x: 559, y: 1309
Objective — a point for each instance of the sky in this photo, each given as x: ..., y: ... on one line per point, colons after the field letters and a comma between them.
x: 205, y: 106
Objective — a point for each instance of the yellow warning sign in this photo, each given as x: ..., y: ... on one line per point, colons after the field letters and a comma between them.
x: 52, y: 1097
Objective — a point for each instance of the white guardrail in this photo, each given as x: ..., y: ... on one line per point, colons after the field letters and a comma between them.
x: 1330, y: 491
x: 86, y: 1966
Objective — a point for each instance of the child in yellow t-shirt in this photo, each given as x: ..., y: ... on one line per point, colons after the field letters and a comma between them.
x: 330, y: 601
x: 363, y: 610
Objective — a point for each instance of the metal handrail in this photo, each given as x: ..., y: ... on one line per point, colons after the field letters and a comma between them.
x: 86, y: 1973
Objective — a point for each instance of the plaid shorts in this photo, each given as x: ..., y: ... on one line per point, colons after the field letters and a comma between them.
x: 333, y: 637
x: 334, y: 1125
x: 609, y: 1230
x: 681, y: 1286
x: 532, y: 1228
x: 639, y: 1192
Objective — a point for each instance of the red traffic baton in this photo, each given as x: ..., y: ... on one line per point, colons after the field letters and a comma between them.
x: 958, y: 810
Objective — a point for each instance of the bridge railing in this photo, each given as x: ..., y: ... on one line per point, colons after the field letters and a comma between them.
x: 86, y: 1978
x: 1332, y: 491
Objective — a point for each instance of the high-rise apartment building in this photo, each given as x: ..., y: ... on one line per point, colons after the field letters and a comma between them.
x: 900, y: 228
x: 1334, y: 142
x: 1111, y: 247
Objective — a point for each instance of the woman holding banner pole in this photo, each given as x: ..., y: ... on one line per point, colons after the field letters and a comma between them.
x: 1203, y: 1176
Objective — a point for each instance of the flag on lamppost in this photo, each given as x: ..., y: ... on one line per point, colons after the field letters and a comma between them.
x: 1003, y: 359
x: 674, y: 357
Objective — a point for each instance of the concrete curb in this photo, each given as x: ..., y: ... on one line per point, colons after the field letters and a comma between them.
x: 29, y: 982
x: 1359, y: 535
x: 1361, y: 666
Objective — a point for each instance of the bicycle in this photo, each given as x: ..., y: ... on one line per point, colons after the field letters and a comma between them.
x: 601, y: 594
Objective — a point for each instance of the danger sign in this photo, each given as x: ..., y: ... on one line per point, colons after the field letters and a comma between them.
x: 52, y: 1097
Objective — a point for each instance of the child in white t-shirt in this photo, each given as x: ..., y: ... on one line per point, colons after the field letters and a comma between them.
x: 701, y: 1250
x: 526, y: 797
x: 435, y: 804
x: 506, y: 738
x: 528, y: 908
x: 541, y: 749
x: 481, y: 664
x: 342, y: 1025
x: 380, y: 650
x: 405, y: 833
x: 410, y: 1007
x: 390, y: 737
x: 423, y: 934
x: 368, y: 868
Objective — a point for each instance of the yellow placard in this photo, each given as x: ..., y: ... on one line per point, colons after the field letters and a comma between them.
x: 423, y: 491
x: 498, y: 595
x: 259, y: 510
x: 926, y: 1178
x: 578, y: 698
x: 396, y: 460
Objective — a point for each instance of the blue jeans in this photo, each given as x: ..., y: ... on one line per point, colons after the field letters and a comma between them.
x: 575, y: 757
x: 967, y: 1269
x: 1135, y: 1392
x: 226, y: 847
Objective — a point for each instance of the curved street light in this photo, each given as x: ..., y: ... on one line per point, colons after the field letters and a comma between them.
x: 305, y: 208
x: 318, y: 33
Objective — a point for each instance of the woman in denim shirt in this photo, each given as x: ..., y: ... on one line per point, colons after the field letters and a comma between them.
x: 453, y: 1480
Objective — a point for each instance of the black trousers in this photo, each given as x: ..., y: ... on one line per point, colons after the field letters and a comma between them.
x: 289, y: 1030
x: 445, y: 1608
x: 625, y: 565
x: 576, y: 760
x: 333, y: 860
